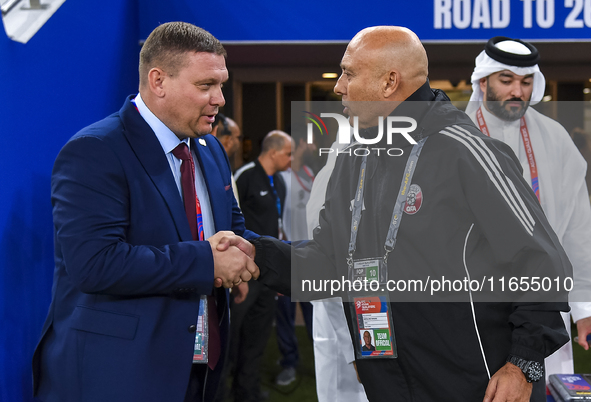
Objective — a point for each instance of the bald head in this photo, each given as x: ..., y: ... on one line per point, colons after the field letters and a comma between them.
x: 276, y: 140
x: 390, y: 63
x: 276, y: 152
x: 393, y: 51
x: 381, y: 63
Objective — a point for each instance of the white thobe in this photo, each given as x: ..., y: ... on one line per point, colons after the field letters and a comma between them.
x: 565, y: 201
x: 296, y: 198
x: 336, y: 379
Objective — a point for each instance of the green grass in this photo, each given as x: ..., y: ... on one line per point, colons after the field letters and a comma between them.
x: 303, y: 389
x: 582, y: 357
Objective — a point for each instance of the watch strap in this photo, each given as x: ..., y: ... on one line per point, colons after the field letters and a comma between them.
x: 532, y: 369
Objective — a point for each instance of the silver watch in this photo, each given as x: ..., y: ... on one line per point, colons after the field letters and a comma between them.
x: 533, y: 370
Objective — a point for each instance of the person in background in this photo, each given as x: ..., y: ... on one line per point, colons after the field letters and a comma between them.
x: 506, y: 81
x: 334, y: 357
x: 227, y: 131
x: 583, y: 143
x: 298, y: 179
x: 261, y: 191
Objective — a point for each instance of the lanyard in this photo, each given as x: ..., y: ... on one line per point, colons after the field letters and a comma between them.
x: 531, y: 160
x: 198, y: 212
x: 280, y: 233
x: 409, y: 171
x: 277, y: 200
x: 309, y: 174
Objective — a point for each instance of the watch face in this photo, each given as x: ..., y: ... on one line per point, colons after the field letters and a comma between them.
x: 535, y: 372
x: 532, y: 370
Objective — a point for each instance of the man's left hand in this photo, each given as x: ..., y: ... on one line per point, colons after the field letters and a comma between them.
x: 584, y: 329
x: 508, y: 385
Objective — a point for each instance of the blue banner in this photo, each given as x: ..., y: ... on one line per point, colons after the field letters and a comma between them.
x: 336, y: 21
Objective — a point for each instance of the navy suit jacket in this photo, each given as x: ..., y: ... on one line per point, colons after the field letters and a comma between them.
x: 128, y: 275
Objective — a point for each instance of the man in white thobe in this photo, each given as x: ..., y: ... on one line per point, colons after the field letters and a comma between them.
x: 334, y: 357
x: 505, y: 82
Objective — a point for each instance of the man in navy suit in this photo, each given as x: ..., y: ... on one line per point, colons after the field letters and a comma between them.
x: 129, y: 273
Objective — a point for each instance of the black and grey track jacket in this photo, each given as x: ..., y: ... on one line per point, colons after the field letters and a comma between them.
x: 477, y: 217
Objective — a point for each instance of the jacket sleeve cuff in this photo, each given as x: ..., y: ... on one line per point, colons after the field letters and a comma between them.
x: 526, y: 353
x: 259, y: 257
x: 273, y: 259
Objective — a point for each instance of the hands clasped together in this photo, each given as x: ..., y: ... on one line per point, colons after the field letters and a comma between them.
x: 233, y: 259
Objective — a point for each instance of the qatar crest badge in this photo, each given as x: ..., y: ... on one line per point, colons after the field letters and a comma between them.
x: 414, y: 199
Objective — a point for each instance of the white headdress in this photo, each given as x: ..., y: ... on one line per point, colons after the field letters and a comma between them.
x: 502, y: 53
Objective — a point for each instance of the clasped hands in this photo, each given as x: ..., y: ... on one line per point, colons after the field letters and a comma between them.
x: 233, y: 259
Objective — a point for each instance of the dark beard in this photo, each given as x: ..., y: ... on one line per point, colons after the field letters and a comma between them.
x: 499, y: 109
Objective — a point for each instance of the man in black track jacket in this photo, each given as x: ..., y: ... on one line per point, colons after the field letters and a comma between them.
x: 468, y: 213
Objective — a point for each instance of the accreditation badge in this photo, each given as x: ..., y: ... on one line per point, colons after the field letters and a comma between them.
x: 370, y: 270
x: 200, y: 350
x: 374, y: 327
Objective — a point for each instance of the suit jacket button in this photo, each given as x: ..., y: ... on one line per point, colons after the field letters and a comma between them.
x: 193, y: 329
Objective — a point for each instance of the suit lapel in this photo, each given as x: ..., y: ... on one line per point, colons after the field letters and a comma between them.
x: 149, y: 152
x: 213, y: 180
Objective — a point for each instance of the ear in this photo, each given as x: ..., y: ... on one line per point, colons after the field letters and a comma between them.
x: 391, y: 83
x: 483, y: 85
x: 156, y: 81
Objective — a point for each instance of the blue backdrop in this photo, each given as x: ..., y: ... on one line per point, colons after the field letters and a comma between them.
x: 77, y: 69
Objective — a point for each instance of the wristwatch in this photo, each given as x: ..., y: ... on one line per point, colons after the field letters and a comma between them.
x: 532, y: 370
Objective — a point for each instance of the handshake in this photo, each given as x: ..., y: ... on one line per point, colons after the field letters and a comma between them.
x: 233, y: 259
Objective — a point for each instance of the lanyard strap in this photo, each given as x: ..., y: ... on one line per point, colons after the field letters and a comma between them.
x: 357, y: 207
x: 529, y: 151
x: 531, y: 159
x: 198, y: 212
x: 309, y: 174
x: 409, y: 171
x: 280, y: 234
x: 277, y: 200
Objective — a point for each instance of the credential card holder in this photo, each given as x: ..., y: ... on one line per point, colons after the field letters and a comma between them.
x: 200, y: 355
x: 373, y: 326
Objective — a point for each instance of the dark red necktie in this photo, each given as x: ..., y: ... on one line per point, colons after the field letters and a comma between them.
x: 193, y: 211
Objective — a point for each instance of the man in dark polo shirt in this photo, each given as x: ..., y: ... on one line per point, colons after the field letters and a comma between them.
x: 261, y: 192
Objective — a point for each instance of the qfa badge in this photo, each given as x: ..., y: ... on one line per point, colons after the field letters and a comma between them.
x: 414, y: 199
